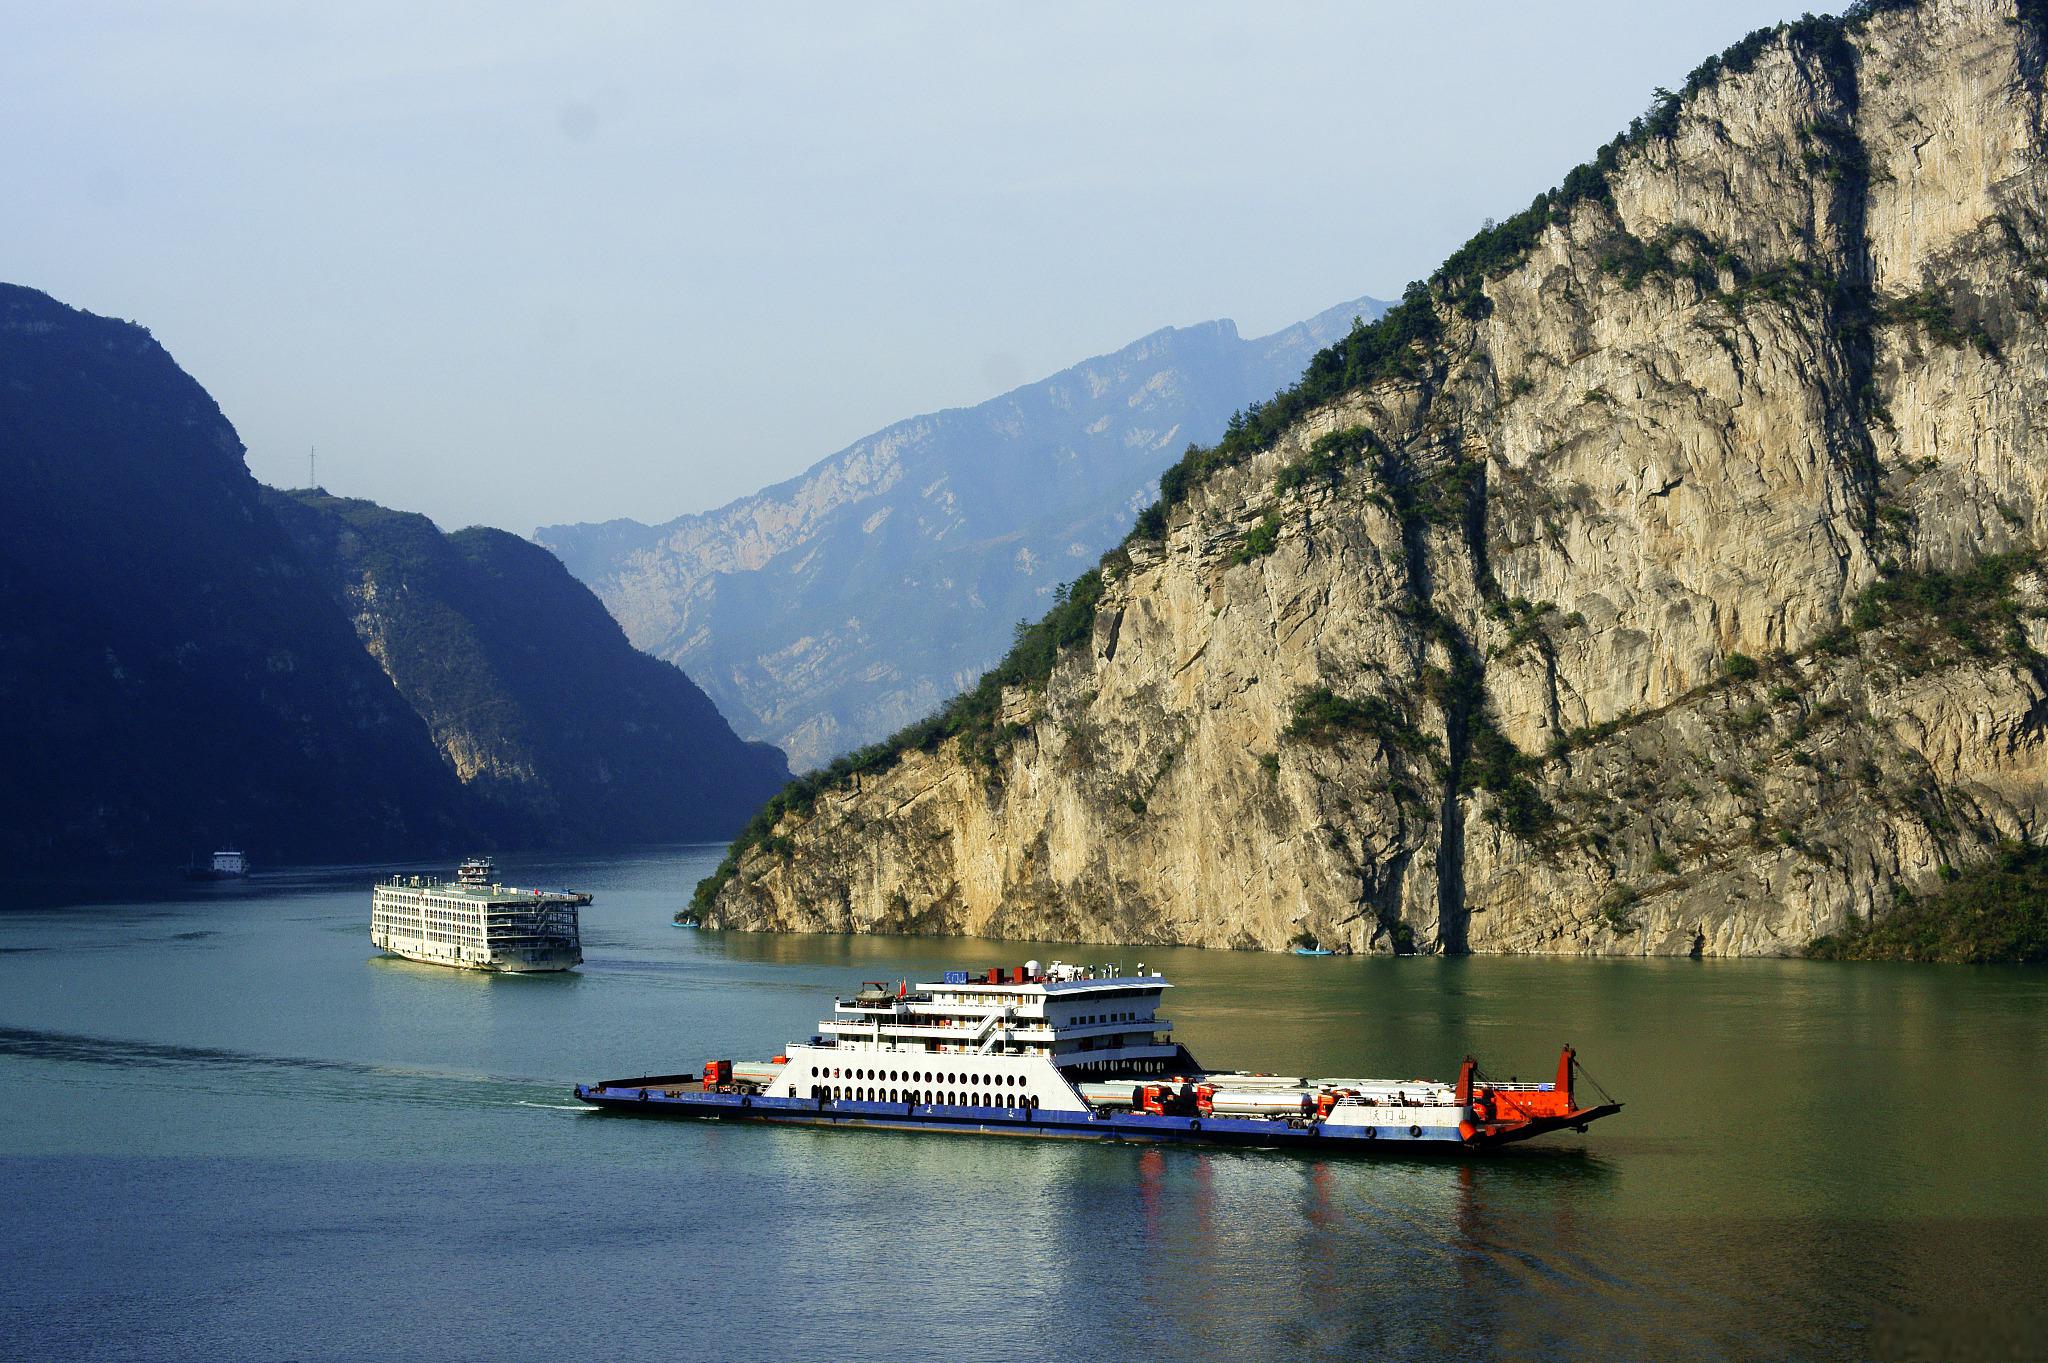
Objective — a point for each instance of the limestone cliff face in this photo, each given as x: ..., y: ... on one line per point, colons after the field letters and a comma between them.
x: 1678, y: 597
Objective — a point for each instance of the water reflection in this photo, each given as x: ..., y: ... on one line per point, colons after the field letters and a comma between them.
x: 1803, y: 1170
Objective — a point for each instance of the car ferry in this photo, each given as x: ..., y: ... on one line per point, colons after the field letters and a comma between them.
x: 1081, y: 1053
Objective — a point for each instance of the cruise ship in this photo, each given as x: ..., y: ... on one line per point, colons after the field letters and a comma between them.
x: 476, y: 923
x: 1081, y: 1052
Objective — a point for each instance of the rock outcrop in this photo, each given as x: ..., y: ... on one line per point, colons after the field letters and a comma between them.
x: 1660, y: 578
x: 832, y: 609
x: 536, y: 701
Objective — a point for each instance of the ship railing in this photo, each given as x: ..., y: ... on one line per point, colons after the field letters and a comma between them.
x: 1039, y: 1031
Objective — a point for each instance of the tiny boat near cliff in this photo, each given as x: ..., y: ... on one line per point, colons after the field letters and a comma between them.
x: 227, y: 865
x: 1076, y: 1053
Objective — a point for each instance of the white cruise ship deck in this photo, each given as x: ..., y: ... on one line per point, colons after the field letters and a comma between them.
x: 474, y: 923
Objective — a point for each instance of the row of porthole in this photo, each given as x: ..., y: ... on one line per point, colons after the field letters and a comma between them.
x: 857, y: 1094
x: 898, y: 1076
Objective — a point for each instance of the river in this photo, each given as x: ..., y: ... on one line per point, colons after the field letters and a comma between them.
x: 233, y: 1130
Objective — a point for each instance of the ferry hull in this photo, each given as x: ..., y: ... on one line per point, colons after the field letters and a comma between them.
x: 664, y: 1097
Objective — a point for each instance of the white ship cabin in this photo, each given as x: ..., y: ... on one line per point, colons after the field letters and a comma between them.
x: 230, y: 864
x: 1006, y: 1038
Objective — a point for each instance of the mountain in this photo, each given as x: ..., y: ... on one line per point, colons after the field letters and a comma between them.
x: 180, y: 666
x: 832, y: 609
x: 172, y: 678
x: 1662, y: 576
x: 528, y: 687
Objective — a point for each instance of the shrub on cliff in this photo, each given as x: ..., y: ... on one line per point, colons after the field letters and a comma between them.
x: 1997, y: 912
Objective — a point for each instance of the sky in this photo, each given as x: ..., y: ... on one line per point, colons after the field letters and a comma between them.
x: 517, y: 263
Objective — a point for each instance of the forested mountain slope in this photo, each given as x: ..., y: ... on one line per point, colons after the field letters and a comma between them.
x: 172, y: 677
x: 529, y: 689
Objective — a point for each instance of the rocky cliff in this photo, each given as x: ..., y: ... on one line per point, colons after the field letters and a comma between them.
x: 829, y: 610
x: 529, y: 689
x: 1662, y: 576
x: 172, y: 678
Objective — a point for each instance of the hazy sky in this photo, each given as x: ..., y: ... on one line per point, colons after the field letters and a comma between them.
x: 521, y: 263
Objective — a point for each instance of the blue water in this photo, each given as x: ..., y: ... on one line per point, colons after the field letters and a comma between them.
x: 233, y: 1131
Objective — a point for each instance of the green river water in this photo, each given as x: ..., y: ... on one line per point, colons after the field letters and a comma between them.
x: 232, y: 1130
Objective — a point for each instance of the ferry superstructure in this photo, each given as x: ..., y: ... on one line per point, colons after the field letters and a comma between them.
x: 475, y: 923
x: 1081, y: 1053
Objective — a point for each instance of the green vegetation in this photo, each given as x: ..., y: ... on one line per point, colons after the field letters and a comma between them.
x: 1328, y: 459
x: 1676, y: 252
x: 1323, y: 717
x: 1259, y: 540
x: 1494, y: 764
x: 1741, y: 666
x: 1928, y: 612
x: 1936, y: 315
x: 1616, y: 910
x: 1524, y: 619
x: 1994, y: 912
x: 1832, y: 151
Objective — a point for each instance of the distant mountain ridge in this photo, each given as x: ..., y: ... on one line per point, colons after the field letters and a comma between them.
x: 830, y: 609
x: 176, y: 671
